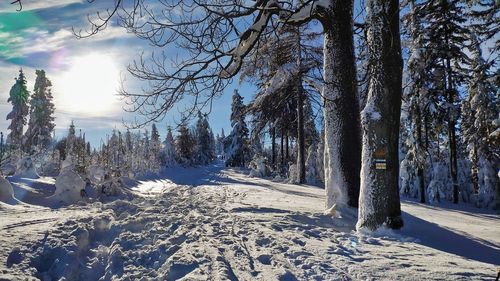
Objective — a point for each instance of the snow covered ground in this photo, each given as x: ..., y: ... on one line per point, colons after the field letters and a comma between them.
x: 211, y: 223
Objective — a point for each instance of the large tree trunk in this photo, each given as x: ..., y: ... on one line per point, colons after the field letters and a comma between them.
x: 379, y: 197
x: 341, y: 108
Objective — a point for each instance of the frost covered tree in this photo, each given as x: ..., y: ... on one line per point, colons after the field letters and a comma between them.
x: 446, y: 36
x: 417, y: 105
x: 480, y: 109
x: 168, y: 150
x: 204, y: 153
x: 155, y: 148
x: 184, y: 144
x: 18, y: 97
x: 219, y: 144
x: 41, y: 121
x: 379, y: 201
x: 238, y: 151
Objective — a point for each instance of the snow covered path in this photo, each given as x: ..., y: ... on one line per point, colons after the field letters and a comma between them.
x: 232, y: 227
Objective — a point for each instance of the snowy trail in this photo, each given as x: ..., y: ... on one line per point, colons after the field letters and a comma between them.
x: 232, y: 227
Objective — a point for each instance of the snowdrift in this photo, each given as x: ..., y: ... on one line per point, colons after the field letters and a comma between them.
x: 6, y: 191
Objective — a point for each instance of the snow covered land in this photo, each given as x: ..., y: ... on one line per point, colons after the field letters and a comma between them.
x: 216, y: 223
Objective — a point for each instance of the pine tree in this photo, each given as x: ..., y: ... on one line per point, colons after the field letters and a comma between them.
x: 41, y: 122
x: 168, y: 151
x: 238, y: 151
x: 184, y: 144
x: 18, y: 97
x: 480, y: 109
x: 204, y: 138
x: 445, y: 35
x: 417, y: 104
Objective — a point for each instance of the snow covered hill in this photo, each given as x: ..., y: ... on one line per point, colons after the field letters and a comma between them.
x: 211, y: 223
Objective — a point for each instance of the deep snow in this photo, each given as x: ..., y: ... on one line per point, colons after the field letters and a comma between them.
x: 211, y: 223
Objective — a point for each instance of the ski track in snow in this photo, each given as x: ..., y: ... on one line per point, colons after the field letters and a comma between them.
x: 214, y: 224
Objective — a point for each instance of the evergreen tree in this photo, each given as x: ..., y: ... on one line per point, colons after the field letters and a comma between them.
x: 238, y: 151
x: 41, y: 122
x: 204, y: 141
x: 480, y: 109
x: 446, y: 37
x: 417, y: 105
x: 168, y: 151
x: 18, y: 97
x: 184, y: 144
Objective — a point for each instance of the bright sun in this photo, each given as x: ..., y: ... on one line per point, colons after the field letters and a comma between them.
x: 90, y: 86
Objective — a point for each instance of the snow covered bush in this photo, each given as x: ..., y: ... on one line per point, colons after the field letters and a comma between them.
x: 258, y: 166
x: 488, y: 196
x: 69, y: 187
x: 407, y: 178
x: 96, y: 174
x: 440, y: 186
x: 6, y: 191
x: 8, y: 169
x: 26, y: 169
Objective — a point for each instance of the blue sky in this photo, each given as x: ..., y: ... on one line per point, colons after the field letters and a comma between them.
x: 40, y: 37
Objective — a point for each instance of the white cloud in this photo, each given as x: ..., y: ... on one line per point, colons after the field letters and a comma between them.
x: 28, y: 5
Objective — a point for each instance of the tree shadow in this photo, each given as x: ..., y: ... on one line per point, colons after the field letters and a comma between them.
x: 437, y: 237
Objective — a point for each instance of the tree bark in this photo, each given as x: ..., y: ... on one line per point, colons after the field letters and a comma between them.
x: 379, y: 197
x: 341, y: 107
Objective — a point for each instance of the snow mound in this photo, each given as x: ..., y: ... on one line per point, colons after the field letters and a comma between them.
x: 8, y: 169
x: 69, y: 187
x: 6, y: 191
x: 26, y: 169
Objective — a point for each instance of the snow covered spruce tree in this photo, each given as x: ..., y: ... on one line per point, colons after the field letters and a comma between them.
x: 480, y: 109
x: 379, y: 202
x: 41, y: 121
x: 204, y: 152
x: 18, y: 97
x: 237, y: 152
x: 446, y: 36
x: 155, y: 148
x: 417, y: 105
x: 184, y: 145
x: 167, y: 155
